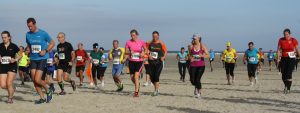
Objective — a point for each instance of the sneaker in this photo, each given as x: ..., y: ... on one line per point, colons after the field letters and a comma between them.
x: 22, y: 83
x: 73, y: 85
x: 136, y: 94
x: 49, y: 95
x: 62, y: 93
x: 91, y: 84
x: 120, y: 88
x: 251, y: 84
x: 40, y: 101
x: 195, y: 92
x: 102, y: 84
x: 155, y: 93
x: 146, y: 84
x: 198, y: 96
x: 285, y: 90
x: 10, y: 101
x: 151, y: 84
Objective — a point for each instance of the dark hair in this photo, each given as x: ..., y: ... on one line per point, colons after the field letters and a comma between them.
x: 260, y: 48
x: 134, y: 31
x: 6, y: 32
x: 101, y: 48
x: 115, y: 41
x: 31, y: 20
x: 182, y: 48
x: 287, y: 30
x: 250, y: 43
x: 95, y: 45
x: 155, y: 32
x: 22, y: 47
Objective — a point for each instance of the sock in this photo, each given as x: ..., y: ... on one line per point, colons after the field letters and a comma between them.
x: 61, y: 85
x: 289, y: 84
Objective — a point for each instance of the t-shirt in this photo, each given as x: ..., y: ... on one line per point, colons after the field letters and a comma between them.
x: 271, y: 56
x: 117, y: 55
x: 157, y: 50
x: 182, y: 57
x: 229, y: 55
x: 24, y: 60
x: 135, y: 48
x: 64, y: 51
x: 261, y: 55
x: 9, y: 53
x: 287, y: 46
x: 38, y: 41
x: 212, y: 55
x: 96, y: 57
x: 104, y: 58
x: 50, y: 60
x: 81, y: 55
x: 252, y: 56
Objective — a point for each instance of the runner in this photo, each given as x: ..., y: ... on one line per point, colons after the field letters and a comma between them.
x: 229, y: 56
x: 211, y: 59
x: 66, y: 57
x: 251, y: 58
x: 135, y: 48
x: 116, y: 54
x: 23, y: 64
x: 182, y: 58
x: 8, y: 66
x: 49, y: 71
x: 81, y: 58
x: 198, y: 52
x: 146, y: 65
x: 40, y: 43
x: 158, y: 53
x: 261, y: 59
x: 287, y: 45
x: 271, y: 59
x: 103, y: 65
x: 96, y: 57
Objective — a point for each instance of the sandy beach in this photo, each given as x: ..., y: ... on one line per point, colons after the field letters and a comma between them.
x: 176, y: 96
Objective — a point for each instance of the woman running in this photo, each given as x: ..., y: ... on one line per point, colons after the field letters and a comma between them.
x: 229, y: 56
x: 182, y: 58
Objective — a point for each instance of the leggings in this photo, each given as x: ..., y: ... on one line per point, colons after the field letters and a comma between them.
x: 96, y: 69
x: 102, y: 71
x: 182, y: 69
x: 287, y: 67
x: 229, y: 67
x: 251, y: 69
x: 155, y: 70
x: 196, y: 75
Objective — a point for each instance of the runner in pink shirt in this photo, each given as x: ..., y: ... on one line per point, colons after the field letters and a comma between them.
x: 134, y: 51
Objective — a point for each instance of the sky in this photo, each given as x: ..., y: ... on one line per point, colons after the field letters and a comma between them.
x: 101, y: 21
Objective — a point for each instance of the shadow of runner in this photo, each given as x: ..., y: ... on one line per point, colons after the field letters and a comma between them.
x: 188, y: 110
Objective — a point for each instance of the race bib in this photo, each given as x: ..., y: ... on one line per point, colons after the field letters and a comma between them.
x: 154, y: 55
x: 36, y: 48
x: 61, y: 56
x: 5, y: 60
x: 196, y: 57
x: 49, y: 61
x: 228, y: 58
x: 116, y: 61
x: 135, y: 56
x: 292, y: 54
x: 96, y: 61
x: 79, y: 58
x: 182, y: 60
x: 271, y: 57
x: 252, y: 59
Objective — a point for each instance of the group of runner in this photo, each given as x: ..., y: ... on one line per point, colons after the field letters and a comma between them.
x: 45, y: 66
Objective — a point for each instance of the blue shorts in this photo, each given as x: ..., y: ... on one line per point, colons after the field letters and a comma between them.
x: 117, y: 69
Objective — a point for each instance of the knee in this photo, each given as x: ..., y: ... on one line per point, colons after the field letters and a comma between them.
x: 3, y: 86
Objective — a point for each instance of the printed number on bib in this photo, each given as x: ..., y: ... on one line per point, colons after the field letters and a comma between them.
x: 228, y: 58
x: 96, y: 61
x: 36, y: 48
x: 135, y: 56
x: 196, y: 57
x: 79, y: 58
x: 154, y: 55
x: 182, y: 60
x: 252, y: 59
x: 49, y: 60
x: 5, y: 60
x: 271, y: 57
x: 61, y: 56
x: 292, y: 54
x: 116, y: 61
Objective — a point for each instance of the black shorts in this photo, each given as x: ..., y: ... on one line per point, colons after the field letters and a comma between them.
x: 80, y: 68
x: 5, y: 68
x: 38, y: 64
x: 135, y: 67
x: 24, y: 69
x: 65, y: 67
x: 262, y: 60
x: 251, y: 69
x: 211, y: 59
x: 147, y: 69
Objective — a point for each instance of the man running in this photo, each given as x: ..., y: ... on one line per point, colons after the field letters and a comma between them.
x: 211, y: 59
x: 229, y: 56
x: 66, y: 57
x: 23, y: 64
x: 96, y: 57
x: 270, y: 59
x: 81, y: 58
x: 251, y: 58
x: 261, y: 59
x: 116, y: 54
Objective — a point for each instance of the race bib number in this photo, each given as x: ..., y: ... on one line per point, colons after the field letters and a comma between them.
x: 135, y: 56
x: 252, y: 59
x: 116, y: 61
x: 228, y: 58
x: 36, y: 48
x: 61, y: 56
x: 5, y: 60
x: 96, y: 61
x: 154, y: 55
x: 196, y: 57
x: 49, y: 60
x: 79, y: 58
x: 292, y: 54
x: 271, y: 57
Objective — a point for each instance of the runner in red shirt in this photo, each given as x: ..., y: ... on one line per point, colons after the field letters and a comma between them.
x: 81, y: 58
x: 288, y: 46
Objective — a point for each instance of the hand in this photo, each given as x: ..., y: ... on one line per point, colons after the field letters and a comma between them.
x: 12, y: 60
x: 70, y: 63
x: 163, y: 58
x: 123, y: 61
x: 150, y: 57
x: 43, y: 52
x: 244, y: 62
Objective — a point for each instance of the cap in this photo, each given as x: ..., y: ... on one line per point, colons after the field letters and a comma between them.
x: 95, y: 45
x: 228, y: 44
x: 196, y: 35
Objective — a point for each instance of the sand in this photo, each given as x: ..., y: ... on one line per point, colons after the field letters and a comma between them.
x: 176, y: 96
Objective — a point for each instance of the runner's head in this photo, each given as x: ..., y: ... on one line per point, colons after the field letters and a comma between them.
x: 134, y: 34
x: 271, y: 51
x: 260, y: 49
x: 80, y: 46
x: 101, y: 49
x: 21, y: 48
x: 95, y: 46
x: 228, y: 45
x: 61, y: 37
x: 6, y: 38
x: 182, y: 50
x: 155, y: 36
x: 287, y: 33
x: 196, y: 39
x: 251, y: 45
x: 211, y: 50
x: 31, y: 24
x: 115, y: 44
x: 27, y: 50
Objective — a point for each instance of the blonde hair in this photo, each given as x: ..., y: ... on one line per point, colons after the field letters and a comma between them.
x: 61, y: 33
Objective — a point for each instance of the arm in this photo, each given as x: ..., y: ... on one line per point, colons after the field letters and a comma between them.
x: 245, y: 58
x: 206, y: 53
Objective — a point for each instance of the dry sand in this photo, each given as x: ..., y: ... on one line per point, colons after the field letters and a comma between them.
x: 176, y: 96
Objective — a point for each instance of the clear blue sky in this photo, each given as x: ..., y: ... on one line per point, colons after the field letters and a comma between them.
x: 218, y: 21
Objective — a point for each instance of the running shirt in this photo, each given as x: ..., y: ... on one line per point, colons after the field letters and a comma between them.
x: 182, y: 57
x: 81, y: 57
x: 104, y: 58
x: 288, y: 47
x: 117, y: 55
x: 271, y: 56
x: 198, y: 61
x: 212, y: 55
x: 229, y: 55
x: 157, y: 50
x: 135, y: 48
x: 9, y: 53
x: 261, y: 55
x: 50, y: 60
x: 252, y: 56
x: 96, y: 57
x: 275, y: 56
x: 65, y: 52
x: 38, y: 41
x: 24, y: 60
